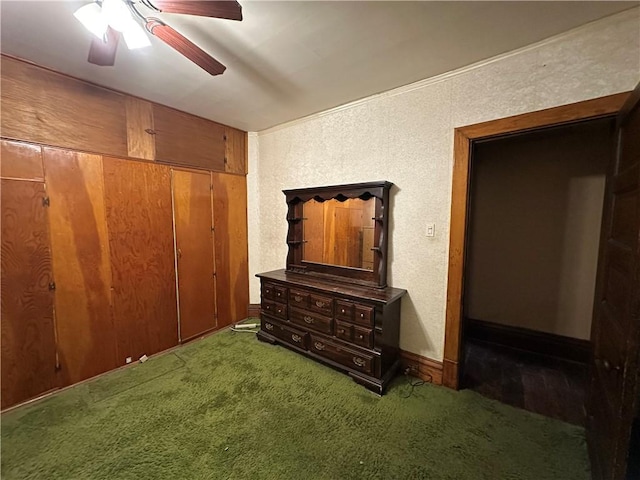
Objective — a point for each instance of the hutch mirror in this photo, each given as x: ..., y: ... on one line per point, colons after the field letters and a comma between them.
x: 339, y: 231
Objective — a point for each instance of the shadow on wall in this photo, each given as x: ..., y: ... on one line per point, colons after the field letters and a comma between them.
x: 413, y: 336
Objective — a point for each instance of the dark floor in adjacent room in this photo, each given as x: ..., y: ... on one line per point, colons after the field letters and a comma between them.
x: 548, y: 386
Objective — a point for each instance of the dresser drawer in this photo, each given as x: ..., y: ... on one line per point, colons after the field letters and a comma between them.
x: 276, y: 309
x: 342, y: 355
x: 364, y: 315
x: 312, y: 320
x: 268, y: 290
x: 298, y: 298
x: 344, y: 331
x: 272, y: 291
x: 286, y: 333
x: 363, y: 337
x: 280, y: 293
x: 344, y: 310
x: 321, y: 304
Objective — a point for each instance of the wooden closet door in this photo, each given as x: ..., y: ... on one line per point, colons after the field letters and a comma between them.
x: 140, y: 226
x: 230, y: 220
x: 194, y: 249
x: 80, y: 251
x: 28, y: 337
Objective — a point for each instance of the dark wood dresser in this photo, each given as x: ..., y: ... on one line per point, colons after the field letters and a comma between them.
x: 352, y: 328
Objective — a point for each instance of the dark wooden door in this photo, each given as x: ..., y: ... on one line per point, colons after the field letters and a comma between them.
x: 140, y: 229
x: 193, y: 210
x: 612, y: 403
x: 28, y: 338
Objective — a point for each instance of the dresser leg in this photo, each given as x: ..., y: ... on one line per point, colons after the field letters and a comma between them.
x: 375, y: 387
x: 264, y: 337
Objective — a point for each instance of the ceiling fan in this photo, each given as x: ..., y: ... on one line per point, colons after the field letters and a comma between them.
x: 109, y: 19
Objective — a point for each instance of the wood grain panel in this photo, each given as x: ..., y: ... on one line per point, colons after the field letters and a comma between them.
x: 21, y: 161
x: 457, y: 228
x: 140, y: 226
x: 194, y: 240
x: 235, y: 156
x: 184, y: 139
x: 45, y: 107
x: 230, y: 221
x: 80, y: 251
x: 140, y: 135
x: 28, y: 338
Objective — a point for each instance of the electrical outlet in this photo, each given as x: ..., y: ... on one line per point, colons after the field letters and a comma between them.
x: 128, y: 360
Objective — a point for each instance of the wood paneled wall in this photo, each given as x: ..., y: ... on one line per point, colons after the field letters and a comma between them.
x: 86, y: 208
x: 102, y: 231
x: 49, y: 108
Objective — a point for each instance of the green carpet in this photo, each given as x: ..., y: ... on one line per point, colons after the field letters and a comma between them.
x: 230, y: 407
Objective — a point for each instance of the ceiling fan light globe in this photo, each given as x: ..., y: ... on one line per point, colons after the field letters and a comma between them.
x: 116, y: 14
x: 91, y: 17
x: 135, y: 36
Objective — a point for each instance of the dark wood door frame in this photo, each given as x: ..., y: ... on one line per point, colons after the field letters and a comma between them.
x: 464, y: 137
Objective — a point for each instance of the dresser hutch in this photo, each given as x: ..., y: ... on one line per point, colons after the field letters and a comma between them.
x: 332, y: 302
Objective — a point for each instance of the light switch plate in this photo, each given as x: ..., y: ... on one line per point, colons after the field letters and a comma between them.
x: 431, y: 229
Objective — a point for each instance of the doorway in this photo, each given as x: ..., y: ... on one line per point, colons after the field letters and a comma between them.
x: 463, y: 139
x: 613, y: 403
x: 533, y: 229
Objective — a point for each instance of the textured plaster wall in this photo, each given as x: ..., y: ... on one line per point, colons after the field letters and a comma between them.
x: 406, y: 136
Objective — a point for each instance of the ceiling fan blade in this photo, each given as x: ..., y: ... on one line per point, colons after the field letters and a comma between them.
x: 103, y: 53
x: 187, y: 48
x: 228, y: 9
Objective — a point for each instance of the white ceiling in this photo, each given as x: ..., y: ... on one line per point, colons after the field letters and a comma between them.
x: 289, y: 59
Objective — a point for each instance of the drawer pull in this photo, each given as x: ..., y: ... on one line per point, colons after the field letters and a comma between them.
x: 296, y: 338
x: 267, y: 307
x: 268, y: 326
x: 320, y: 304
x: 279, y: 310
x: 278, y: 294
x: 319, y: 345
x: 297, y: 298
x: 360, y: 337
x: 267, y: 291
x: 308, y: 319
x: 342, y: 311
x: 362, y: 315
x: 359, y: 361
x: 341, y: 330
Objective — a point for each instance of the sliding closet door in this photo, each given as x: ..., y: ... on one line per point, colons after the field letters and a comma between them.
x: 28, y: 332
x: 80, y: 251
x: 140, y: 226
x: 194, y: 252
x: 230, y: 220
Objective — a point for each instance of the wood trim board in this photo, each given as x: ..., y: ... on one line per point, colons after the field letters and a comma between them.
x: 424, y: 368
x: 532, y: 341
